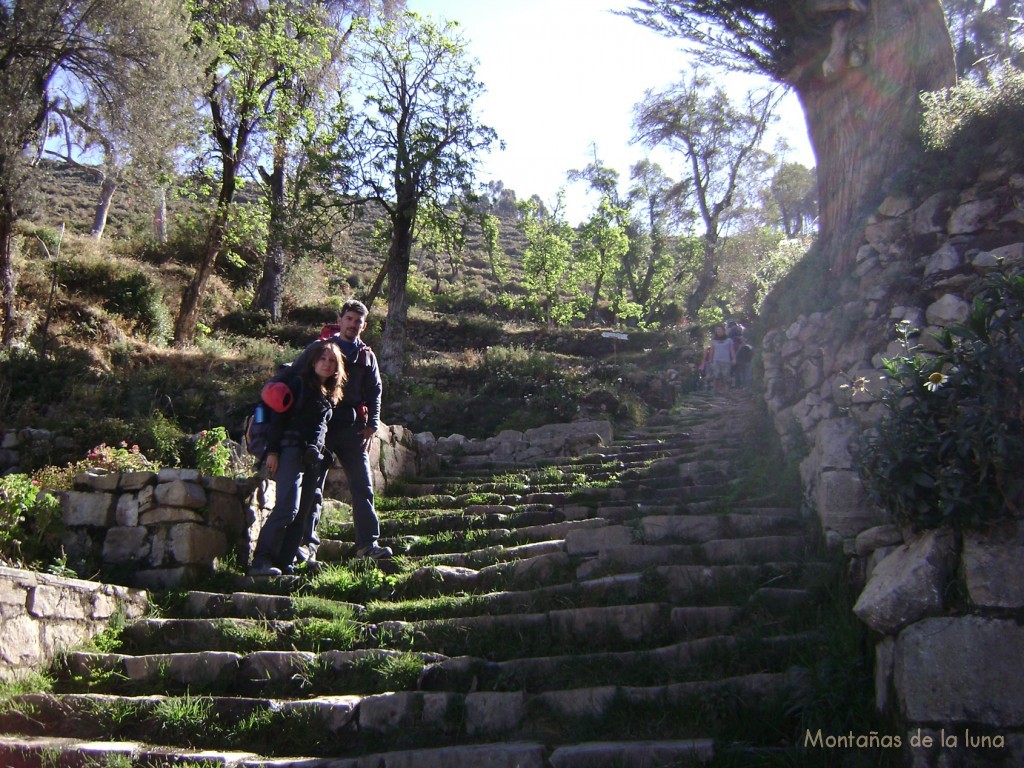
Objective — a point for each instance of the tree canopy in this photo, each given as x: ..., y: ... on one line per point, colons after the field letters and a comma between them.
x: 415, y: 140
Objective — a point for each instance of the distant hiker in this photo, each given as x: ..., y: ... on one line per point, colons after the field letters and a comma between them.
x: 723, y: 356
x: 744, y: 356
x: 355, y: 422
x: 295, y: 453
x: 704, y: 371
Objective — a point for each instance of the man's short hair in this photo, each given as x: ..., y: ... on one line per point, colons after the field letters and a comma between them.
x: 353, y: 305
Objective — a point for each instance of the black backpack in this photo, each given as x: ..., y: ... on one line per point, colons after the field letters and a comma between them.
x: 744, y: 354
x: 256, y: 429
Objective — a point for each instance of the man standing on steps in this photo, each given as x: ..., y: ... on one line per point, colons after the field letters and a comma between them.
x: 350, y: 431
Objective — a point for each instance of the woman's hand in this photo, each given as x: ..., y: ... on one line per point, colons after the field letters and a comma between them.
x: 271, y: 463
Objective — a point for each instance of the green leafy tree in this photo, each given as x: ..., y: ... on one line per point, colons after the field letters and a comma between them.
x: 297, y: 124
x: 490, y: 228
x: 108, y: 53
x: 720, y: 144
x: 548, y: 263
x: 792, y: 194
x: 857, y: 67
x: 439, y: 236
x: 602, y: 242
x: 256, y: 52
x: 648, y: 265
x: 415, y: 139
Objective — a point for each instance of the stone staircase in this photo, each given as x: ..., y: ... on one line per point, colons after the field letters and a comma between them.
x: 642, y: 607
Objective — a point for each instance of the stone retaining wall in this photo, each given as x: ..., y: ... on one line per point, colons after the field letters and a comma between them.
x: 42, y: 615
x: 948, y: 608
x: 160, y: 529
x: 515, y: 448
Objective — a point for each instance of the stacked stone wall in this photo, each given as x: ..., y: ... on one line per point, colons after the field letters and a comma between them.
x: 42, y: 615
x: 947, y: 607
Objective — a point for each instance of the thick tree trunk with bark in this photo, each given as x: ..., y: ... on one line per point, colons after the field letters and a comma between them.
x: 99, y: 219
x: 188, y: 313
x: 7, y: 280
x: 705, y: 278
x: 392, y: 355
x: 160, y: 216
x: 270, y: 291
x: 862, y: 105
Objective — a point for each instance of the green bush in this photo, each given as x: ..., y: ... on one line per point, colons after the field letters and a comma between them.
x: 970, y: 109
x: 213, y: 457
x: 948, y: 450
x: 30, y: 519
x: 137, y: 298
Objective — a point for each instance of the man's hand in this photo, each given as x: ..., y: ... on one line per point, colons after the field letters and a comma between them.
x: 367, y: 434
x: 271, y: 463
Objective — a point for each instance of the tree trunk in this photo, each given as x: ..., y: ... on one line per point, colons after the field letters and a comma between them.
x: 863, y: 117
x: 7, y: 278
x: 160, y: 216
x: 392, y: 356
x: 99, y: 219
x: 188, y: 314
x: 707, y: 277
x: 378, y: 283
x: 270, y: 291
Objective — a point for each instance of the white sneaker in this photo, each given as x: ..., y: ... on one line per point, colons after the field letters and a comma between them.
x: 260, y: 569
x: 375, y: 552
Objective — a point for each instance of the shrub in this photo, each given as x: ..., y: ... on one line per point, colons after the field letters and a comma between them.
x: 948, y: 449
x: 213, y: 456
x: 30, y: 519
x: 135, y: 297
x: 969, y: 108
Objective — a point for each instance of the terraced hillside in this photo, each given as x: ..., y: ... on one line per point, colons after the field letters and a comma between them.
x: 649, y: 606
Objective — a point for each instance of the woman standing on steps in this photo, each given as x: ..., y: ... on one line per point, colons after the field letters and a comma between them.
x: 295, y: 448
x: 723, y: 357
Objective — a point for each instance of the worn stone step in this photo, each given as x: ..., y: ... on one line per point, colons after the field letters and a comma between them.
x: 657, y: 529
x: 635, y: 754
x: 761, y: 549
x: 348, y: 722
x: 617, y: 627
x: 57, y: 752
x: 480, y: 558
x: 248, y: 605
x: 294, y: 673
x: 671, y: 662
x: 684, y: 584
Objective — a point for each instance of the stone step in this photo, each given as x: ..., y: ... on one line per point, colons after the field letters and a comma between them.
x: 57, y: 752
x: 685, y: 660
x: 657, y: 529
x: 251, y: 605
x: 293, y: 673
x: 347, y: 723
x: 634, y: 754
x: 760, y: 549
x: 479, y: 558
x: 608, y: 627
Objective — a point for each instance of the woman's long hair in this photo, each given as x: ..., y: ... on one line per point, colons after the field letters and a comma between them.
x: 334, y: 386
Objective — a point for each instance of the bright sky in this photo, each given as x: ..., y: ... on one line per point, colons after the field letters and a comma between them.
x: 562, y: 75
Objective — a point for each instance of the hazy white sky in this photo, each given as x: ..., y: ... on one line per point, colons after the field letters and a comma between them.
x: 563, y: 75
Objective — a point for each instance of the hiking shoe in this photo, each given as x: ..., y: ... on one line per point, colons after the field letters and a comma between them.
x: 375, y: 552
x: 312, y: 567
x: 263, y: 569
